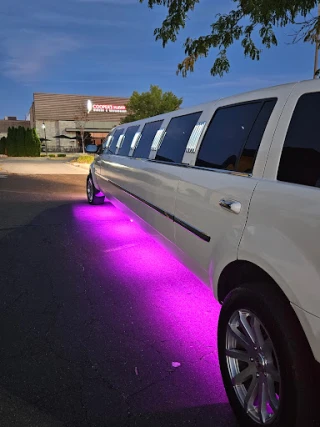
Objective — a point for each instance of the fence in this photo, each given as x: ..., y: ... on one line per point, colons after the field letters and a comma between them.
x: 60, y: 149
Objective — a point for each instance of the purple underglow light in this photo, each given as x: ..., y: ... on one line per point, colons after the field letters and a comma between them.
x: 175, y: 309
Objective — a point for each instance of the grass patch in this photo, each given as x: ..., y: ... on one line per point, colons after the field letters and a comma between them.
x: 84, y: 159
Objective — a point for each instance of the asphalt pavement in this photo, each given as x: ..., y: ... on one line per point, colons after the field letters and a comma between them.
x: 100, y: 326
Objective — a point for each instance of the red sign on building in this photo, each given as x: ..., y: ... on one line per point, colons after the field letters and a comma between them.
x: 103, y: 108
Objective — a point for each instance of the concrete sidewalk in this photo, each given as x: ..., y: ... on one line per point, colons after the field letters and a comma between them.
x: 41, y: 166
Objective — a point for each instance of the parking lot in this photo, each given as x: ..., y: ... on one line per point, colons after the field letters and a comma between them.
x: 100, y: 325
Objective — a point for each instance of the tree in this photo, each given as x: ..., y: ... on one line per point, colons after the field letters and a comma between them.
x: 3, y: 145
x: 152, y: 103
x: 249, y: 20
x: 36, y: 143
x: 28, y: 141
x: 21, y: 141
x: 12, y: 142
x: 81, y: 119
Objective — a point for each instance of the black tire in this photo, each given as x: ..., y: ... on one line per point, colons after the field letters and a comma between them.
x: 292, y: 357
x: 92, y: 192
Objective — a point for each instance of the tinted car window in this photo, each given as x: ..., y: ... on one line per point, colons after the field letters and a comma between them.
x: 176, y: 139
x: 130, y: 133
x: 249, y: 153
x: 300, y: 159
x: 148, y: 133
x: 234, y: 135
x: 114, y: 141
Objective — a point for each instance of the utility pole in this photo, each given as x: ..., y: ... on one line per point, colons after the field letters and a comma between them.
x: 317, y: 43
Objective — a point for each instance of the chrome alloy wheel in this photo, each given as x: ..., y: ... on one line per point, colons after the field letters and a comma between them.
x: 253, y: 366
x: 90, y: 190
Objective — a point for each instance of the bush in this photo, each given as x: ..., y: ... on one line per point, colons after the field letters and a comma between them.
x: 61, y: 155
x: 3, y: 145
x: 43, y: 155
x: 36, y: 143
x: 11, y: 142
x: 52, y: 155
x: 22, y: 142
x: 84, y: 159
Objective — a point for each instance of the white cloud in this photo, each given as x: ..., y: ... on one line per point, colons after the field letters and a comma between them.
x: 247, y: 82
x: 114, y: 2
x: 58, y: 19
x: 29, y: 53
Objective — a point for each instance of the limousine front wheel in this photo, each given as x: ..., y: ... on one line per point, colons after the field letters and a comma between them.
x: 92, y: 192
x: 265, y: 360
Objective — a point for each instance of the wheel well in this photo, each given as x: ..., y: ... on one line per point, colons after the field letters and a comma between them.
x: 238, y: 272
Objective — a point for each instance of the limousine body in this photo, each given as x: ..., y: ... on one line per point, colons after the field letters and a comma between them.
x: 231, y: 188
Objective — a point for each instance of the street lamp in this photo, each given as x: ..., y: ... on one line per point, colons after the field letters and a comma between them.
x: 45, y: 136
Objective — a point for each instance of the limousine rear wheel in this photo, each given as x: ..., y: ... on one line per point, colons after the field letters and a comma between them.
x: 92, y: 192
x: 265, y: 359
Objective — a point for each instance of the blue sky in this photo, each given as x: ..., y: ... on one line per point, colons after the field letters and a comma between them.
x: 107, y: 47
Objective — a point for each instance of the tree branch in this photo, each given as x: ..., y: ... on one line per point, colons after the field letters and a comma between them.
x: 263, y: 16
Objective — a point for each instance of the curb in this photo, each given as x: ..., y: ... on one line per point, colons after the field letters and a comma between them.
x: 80, y: 165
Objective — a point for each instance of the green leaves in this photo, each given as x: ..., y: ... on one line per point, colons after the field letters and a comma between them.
x: 22, y: 142
x: 263, y: 17
x: 152, y: 103
x: 3, y: 145
x: 175, y: 20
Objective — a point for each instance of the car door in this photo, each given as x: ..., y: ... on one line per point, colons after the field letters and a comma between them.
x: 106, y: 157
x: 283, y: 230
x: 152, y: 184
x: 214, y: 194
x: 98, y: 158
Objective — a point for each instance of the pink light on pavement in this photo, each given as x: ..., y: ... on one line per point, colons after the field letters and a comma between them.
x: 173, y: 308
x: 95, y: 214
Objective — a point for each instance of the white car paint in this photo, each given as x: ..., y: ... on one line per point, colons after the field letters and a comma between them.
x: 277, y: 228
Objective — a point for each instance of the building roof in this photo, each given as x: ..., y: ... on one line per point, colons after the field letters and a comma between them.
x: 51, y: 106
x: 6, y: 124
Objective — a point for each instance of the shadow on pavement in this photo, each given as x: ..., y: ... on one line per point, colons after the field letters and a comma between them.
x: 102, y: 327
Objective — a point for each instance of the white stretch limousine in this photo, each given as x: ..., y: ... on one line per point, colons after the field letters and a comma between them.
x: 232, y: 189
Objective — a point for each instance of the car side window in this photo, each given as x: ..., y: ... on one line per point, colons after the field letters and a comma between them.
x: 300, y: 159
x: 176, y: 138
x: 112, y: 147
x: 149, y: 131
x: 126, y: 145
x: 234, y: 136
x: 106, y: 142
x: 251, y: 147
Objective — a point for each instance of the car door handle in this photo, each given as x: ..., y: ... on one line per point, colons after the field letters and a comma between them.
x: 230, y: 205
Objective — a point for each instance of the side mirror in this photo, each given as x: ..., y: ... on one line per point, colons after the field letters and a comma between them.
x: 92, y: 149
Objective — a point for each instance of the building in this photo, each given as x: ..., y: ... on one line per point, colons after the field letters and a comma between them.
x: 11, y: 122
x: 61, y: 118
